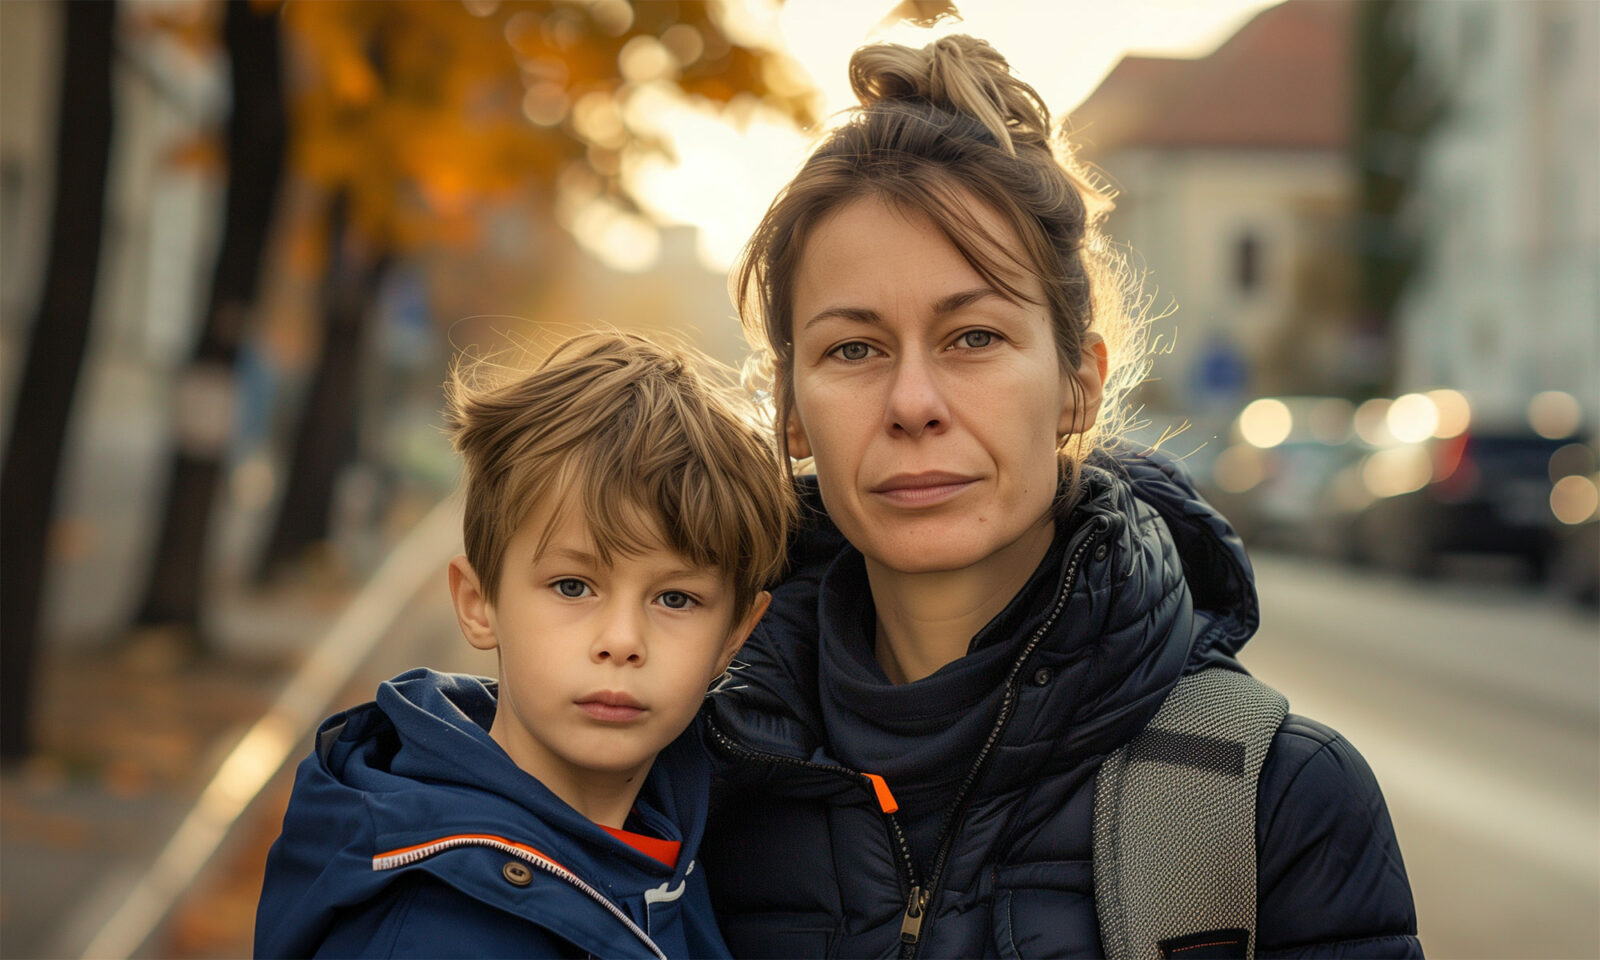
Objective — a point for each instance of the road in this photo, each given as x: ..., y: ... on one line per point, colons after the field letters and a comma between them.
x: 1478, y: 706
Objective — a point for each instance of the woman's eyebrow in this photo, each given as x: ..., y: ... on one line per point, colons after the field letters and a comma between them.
x: 946, y: 304
x: 956, y: 301
x: 857, y: 314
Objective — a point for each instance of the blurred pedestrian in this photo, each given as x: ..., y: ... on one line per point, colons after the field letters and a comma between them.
x: 985, y: 604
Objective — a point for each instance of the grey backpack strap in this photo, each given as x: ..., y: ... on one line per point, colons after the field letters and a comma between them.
x: 1175, y: 823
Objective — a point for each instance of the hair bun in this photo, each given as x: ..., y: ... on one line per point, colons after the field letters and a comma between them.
x: 958, y: 73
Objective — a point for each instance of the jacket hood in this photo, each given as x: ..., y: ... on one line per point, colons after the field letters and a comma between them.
x: 412, y: 781
x: 1152, y: 584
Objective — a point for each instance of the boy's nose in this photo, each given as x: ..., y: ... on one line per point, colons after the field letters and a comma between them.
x: 620, y: 641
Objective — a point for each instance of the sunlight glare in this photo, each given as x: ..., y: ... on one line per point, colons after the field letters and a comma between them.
x: 727, y: 162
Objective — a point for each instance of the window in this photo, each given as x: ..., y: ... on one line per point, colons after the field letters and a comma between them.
x: 1247, y: 262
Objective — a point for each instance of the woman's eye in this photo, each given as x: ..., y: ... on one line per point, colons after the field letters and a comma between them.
x: 572, y: 588
x: 976, y: 339
x: 676, y: 600
x: 855, y: 350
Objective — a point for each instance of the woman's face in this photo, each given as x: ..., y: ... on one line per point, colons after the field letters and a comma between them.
x: 931, y: 403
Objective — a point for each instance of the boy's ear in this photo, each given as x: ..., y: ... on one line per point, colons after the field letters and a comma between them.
x: 741, y: 631
x: 472, y: 607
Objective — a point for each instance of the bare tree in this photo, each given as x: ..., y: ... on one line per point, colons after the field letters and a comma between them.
x: 256, y: 139
x: 56, y: 348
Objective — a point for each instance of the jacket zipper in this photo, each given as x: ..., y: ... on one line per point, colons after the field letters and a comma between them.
x: 410, y: 855
x: 912, y: 924
x: 908, y: 866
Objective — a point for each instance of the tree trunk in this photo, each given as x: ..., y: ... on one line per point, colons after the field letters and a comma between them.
x: 325, y: 439
x: 257, y: 134
x: 56, y: 346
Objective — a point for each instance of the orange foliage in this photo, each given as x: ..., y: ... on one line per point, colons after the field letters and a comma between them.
x: 415, y: 109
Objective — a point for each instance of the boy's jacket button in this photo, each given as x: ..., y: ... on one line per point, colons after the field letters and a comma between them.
x: 1100, y: 552
x: 517, y: 872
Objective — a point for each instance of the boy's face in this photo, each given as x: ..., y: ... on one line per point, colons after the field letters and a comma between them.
x: 600, y: 666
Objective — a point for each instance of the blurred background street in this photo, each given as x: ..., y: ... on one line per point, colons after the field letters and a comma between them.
x: 241, y: 241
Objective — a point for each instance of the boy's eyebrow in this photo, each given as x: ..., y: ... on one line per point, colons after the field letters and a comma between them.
x: 571, y: 553
x: 944, y: 305
x: 584, y: 557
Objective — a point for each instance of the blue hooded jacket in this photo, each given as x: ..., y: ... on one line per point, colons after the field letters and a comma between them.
x: 410, y: 833
x: 972, y: 790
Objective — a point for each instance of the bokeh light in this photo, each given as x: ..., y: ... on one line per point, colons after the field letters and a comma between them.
x: 1455, y: 413
x: 1239, y: 469
x: 1412, y: 418
x: 1574, y: 458
x: 1574, y: 499
x: 1371, y: 422
x: 1330, y: 421
x: 1265, y: 423
x: 1554, y: 414
x: 1397, y: 471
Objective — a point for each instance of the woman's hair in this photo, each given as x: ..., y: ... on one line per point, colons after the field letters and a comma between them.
x: 938, y: 128
x: 630, y: 436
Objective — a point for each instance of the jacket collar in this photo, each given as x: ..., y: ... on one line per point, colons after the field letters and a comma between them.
x: 412, y: 781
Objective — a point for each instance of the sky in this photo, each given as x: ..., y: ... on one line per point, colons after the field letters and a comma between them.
x: 728, y: 163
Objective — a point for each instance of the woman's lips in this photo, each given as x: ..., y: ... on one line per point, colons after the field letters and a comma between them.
x: 611, y: 707
x: 920, y: 490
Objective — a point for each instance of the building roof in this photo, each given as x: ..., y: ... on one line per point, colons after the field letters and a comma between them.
x: 1282, y: 82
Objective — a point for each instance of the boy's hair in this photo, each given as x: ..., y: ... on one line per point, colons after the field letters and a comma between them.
x: 630, y: 433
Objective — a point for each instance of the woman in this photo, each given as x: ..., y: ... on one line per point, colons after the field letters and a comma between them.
x: 983, y: 606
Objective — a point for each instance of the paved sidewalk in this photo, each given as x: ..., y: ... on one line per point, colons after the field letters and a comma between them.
x: 126, y: 743
x: 133, y: 748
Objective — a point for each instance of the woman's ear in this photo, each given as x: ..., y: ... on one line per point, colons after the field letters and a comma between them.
x: 1080, y: 408
x: 473, y: 610
x: 741, y: 631
x: 795, y: 432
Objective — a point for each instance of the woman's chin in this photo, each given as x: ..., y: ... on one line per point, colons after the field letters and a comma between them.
x: 949, y: 552
x: 953, y: 546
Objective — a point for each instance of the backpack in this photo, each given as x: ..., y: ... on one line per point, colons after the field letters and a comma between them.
x: 1175, y: 823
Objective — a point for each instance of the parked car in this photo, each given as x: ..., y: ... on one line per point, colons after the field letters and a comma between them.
x: 1272, y: 474
x: 1487, y: 491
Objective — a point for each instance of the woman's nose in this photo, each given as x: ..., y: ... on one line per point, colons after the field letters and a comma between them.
x: 916, y: 404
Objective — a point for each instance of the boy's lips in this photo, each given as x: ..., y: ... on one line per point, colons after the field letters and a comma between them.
x: 612, y: 706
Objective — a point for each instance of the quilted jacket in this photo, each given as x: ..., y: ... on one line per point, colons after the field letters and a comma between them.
x: 1145, y: 584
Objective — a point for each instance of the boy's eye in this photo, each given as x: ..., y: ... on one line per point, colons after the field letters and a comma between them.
x: 975, y: 339
x: 676, y: 600
x: 854, y: 350
x: 571, y: 588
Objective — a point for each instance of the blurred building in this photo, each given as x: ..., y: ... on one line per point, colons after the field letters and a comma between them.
x: 1235, y: 193
x: 1506, y: 302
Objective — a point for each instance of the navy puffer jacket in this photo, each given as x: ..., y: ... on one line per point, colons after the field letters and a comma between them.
x: 1146, y: 583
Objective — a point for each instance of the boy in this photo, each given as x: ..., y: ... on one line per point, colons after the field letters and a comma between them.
x: 620, y: 522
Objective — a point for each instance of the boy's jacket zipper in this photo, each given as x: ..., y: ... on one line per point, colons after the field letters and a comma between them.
x: 409, y: 855
x: 920, y: 897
